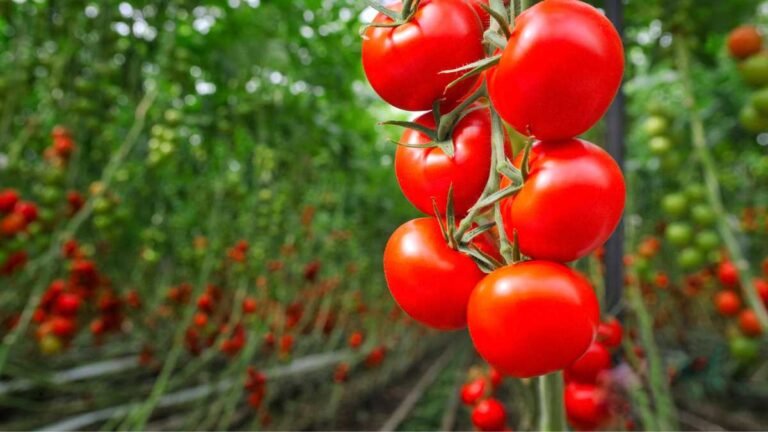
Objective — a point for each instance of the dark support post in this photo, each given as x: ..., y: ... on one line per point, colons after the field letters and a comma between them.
x: 615, y: 119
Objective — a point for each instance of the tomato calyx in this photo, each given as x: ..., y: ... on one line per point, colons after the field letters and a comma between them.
x: 398, y: 18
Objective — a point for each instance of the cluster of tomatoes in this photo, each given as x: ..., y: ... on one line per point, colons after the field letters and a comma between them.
x: 18, y: 218
x: 587, y: 401
x: 488, y: 413
x: 728, y: 302
x: 85, y: 295
x: 554, y: 77
x: 691, y: 229
x: 745, y: 44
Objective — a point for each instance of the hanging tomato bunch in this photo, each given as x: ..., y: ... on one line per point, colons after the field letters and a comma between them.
x: 745, y: 45
x: 492, y: 254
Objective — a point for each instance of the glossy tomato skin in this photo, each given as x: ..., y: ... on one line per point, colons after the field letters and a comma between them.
x: 570, y: 204
x: 425, y: 174
x: 473, y: 391
x: 560, y: 70
x: 727, y: 303
x: 587, y: 368
x: 610, y: 333
x: 403, y: 63
x: 489, y: 415
x: 585, y: 406
x: 532, y: 318
x: 429, y: 280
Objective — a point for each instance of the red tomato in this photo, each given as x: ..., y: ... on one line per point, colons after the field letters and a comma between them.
x: 610, y: 333
x: 560, y: 70
x: 744, y: 42
x: 585, y: 406
x: 26, y: 209
x: 67, y: 304
x: 489, y: 415
x: 728, y: 274
x: 403, y: 63
x: 473, y: 391
x: 588, y: 367
x: 8, y: 200
x: 355, y: 339
x: 532, y: 318
x: 12, y: 224
x: 428, y: 279
x: 570, y: 204
x: 749, y: 324
x: 761, y: 285
x: 727, y: 303
x: 427, y: 173
x: 495, y: 376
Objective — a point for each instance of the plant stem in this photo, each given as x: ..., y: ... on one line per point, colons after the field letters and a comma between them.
x: 714, y: 196
x: 552, y: 414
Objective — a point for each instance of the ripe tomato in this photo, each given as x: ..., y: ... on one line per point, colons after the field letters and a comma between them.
x: 473, y: 391
x: 585, y: 406
x: 761, y: 286
x: 560, y: 70
x: 8, y: 200
x: 532, y: 318
x: 67, y: 304
x: 728, y: 274
x: 749, y: 324
x: 427, y: 173
x: 589, y: 366
x: 403, y: 63
x: 727, y: 303
x: 428, y: 279
x: 570, y: 204
x: 610, y: 333
x: 489, y: 415
x: 744, y: 41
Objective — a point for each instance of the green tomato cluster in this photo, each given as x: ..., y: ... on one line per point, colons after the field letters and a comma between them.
x: 660, y: 141
x: 691, y: 227
x: 754, y: 72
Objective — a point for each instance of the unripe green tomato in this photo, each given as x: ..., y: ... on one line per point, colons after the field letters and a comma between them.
x: 754, y: 70
x: 50, y: 195
x: 101, y: 205
x: 744, y: 350
x: 46, y: 215
x: 696, y: 192
x: 703, y: 215
x: 707, y: 240
x: 655, y: 125
x: 752, y: 121
x: 157, y: 131
x: 150, y: 255
x: 102, y: 221
x: 34, y: 228
x: 641, y: 265
x: 679, y: 234
x: 760, y: 101
x: 172, y: 116
x: 690, y: 258
x: 660, y: 145
x: 657, y: 108
x: 760, y: 168
x: 674, y: 204
x: 50, y: 345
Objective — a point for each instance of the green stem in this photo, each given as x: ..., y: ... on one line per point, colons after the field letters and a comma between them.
x: 714, y: 195
x: 552, y: 408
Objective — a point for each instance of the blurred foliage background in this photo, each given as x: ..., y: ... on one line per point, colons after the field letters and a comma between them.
x: 229, y: 151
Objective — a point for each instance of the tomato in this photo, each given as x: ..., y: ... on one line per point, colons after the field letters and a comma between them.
x: 12, y: 224
x: 744, y: 350
x: 355, y: 339
x: 489, y: 415
x: 532, y: 318
x: 559, y: 71
x: 67, y: 304
x: 675, y: 204
x: 761, y: 286
x: 727, y: 303
x: 570, y: 204
x: 587, y: 368
x: 744, y: 42
x: 8, y: 200
x: 690, y: 258
x: 585, y: 406
x: 754, y: 70
x: 749, y: 324
x: 495, y: 376
x: 429, y: 280
x: 707, y: 240
x: 404, y: 63
x: 752, y: 120
x: 660, y: 145
x: 678, y: 233
x: 26, y: 209
x: 610, y: 333
x: 473, y: 391
x: 760, y: 101
x: 656, y: 125
x: 703, y: 215
x: 425, y: 174
x: 728, y: 274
